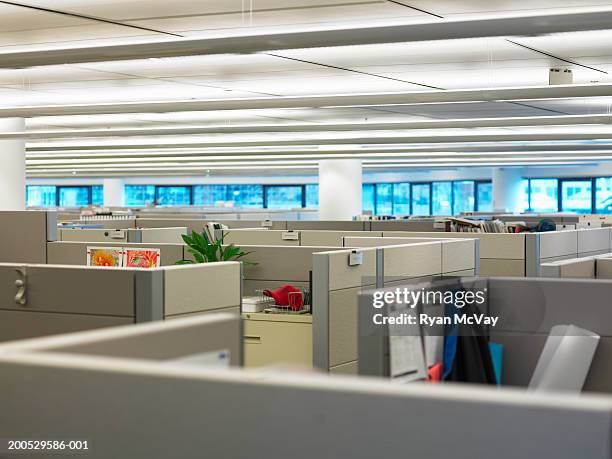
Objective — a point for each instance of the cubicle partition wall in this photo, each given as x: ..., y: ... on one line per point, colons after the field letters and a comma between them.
x: 24, y: 235
x: 117, y: 385
x: 338, y: 278
x: 75, y: 253
x: 593, y: 267
x: 504, y: 254
x: 277, y: 338
x: 166, y: 235
x: 37, y: 300
x: 526, y: 310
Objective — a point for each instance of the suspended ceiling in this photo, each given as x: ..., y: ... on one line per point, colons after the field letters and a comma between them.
x: 439, y: 66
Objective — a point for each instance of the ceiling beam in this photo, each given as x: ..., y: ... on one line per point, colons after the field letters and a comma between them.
x: 531, y: 25
x: 320, y: 101
x: 313, y: 127
x: 394, y: 140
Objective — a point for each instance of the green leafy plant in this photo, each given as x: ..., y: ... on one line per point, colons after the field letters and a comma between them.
x: 205, y: 251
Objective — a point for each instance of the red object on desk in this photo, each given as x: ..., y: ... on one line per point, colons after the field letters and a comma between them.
x: 281, y: 295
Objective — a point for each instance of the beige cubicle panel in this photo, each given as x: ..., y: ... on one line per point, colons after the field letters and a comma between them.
x: 92, y: 235
x: 191, y: 224
x: 261, y: 236
x: 572, y: 268
x: 337, y: 284
x: 24, y: 235
x: 75, y: 253
x: 501, y: 254
x: 200, y: 288
x: 60, y: 298
x: 331, y: 238
x: 328, y: 225
x: 275, y: 266
x: 604, y: 267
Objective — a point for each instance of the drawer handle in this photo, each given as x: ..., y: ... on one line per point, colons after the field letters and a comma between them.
x: 21, y: 285
x: 252, y: 339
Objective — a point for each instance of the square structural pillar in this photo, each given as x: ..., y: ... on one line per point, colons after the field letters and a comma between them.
x: 13, y: 170
x: 507, y: 189
x: 114, y: 192
x: 340, y: 182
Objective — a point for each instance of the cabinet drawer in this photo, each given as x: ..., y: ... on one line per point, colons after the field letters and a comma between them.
x: 269, y: 343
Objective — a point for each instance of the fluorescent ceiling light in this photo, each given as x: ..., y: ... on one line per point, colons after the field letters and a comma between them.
x: 591, y: 120
x: 377, y: 140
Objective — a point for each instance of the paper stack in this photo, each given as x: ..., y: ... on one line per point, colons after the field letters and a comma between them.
x: 254, y: 304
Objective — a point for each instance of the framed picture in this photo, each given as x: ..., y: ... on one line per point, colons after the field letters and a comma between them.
x: 105, y: 256
x: 141, y: 258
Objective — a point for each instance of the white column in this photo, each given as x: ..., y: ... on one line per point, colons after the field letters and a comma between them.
x: 114, y: 192
x: 12, y: 166
x: 339, y: 189
x: 507, y: 189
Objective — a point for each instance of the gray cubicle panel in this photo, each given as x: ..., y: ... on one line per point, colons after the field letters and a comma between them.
x: 277, y: 265
x: 24, y: 235
x: 75, y: 253
x: 59, y: 299
x: 425, y: 225
x: 528, y: 308
x: 119, y: 406
x: 168, y: 341
x: 328, y: 225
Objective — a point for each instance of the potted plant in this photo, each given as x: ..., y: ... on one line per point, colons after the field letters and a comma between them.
x: 205, y: 251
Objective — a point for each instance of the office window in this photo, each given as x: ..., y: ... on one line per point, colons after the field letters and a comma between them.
x: 401, y: 198
x: 421, y: 199
x: 576, y: 196
x: 74, y: 196
x: 384, y: 199
x: 463, y: 196
x: 543, y: 195
x: 312, y: 196
x: 442, y: 198
x: 41, y: 196
x: 167, y: 195
x: 525, y: 196
x: 367, y: 197
x: 97, y: 195
x: 139, y: 195
x: 484, y: 199
x: 208, y: 195
x: 245, y: 195
x: 603, y: 195
x: 283, y: 196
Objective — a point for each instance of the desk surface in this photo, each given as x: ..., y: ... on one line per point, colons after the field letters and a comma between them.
x: 272, y: 317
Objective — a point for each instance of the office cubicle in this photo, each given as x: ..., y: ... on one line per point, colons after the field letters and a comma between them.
x: 150, y: 403
x: 37, y: 300
x: 527, y: 309
x: 310, y: 339
x: 167, y: 235
x: 338, y: 280
x: 24, y: 235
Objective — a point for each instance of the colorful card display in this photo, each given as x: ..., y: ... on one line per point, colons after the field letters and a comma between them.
x: 105, y: 256
x: 141, y: 258
x: 127, y: 257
